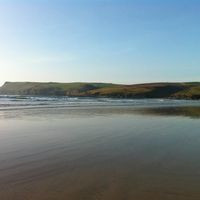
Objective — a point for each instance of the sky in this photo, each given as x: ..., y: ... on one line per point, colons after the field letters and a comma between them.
x: 119, y: 41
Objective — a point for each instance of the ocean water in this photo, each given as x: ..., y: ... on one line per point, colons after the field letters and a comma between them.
x: 17, y: 101
x: 99, y: 149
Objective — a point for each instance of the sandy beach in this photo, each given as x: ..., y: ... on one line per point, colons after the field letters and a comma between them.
x: 99, y: 153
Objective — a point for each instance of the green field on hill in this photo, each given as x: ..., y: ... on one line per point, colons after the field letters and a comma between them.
x: 149, y: 90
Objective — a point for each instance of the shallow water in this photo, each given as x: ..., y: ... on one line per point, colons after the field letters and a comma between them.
x: 8, y: 102
x: 100, y: 152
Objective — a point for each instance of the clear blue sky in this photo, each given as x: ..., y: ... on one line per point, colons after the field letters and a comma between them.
x: 122, y: 41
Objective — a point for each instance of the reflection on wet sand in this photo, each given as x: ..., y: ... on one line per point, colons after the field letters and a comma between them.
x: 193, y: 112
x: 71, y: 112
x: 100, y: 153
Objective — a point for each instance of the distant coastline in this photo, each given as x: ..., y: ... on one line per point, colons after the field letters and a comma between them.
x: 185, y: 90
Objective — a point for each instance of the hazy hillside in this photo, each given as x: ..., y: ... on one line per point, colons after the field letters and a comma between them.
x: 36, y: 88
x: 151, y: 90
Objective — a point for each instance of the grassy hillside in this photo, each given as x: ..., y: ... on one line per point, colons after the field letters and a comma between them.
x: 151, y: 90
x: 36, y: 88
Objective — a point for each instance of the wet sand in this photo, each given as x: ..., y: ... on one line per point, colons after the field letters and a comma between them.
x: 100, y: 153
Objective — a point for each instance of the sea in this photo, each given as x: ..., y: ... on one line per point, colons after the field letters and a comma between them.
x: 18, y: 101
